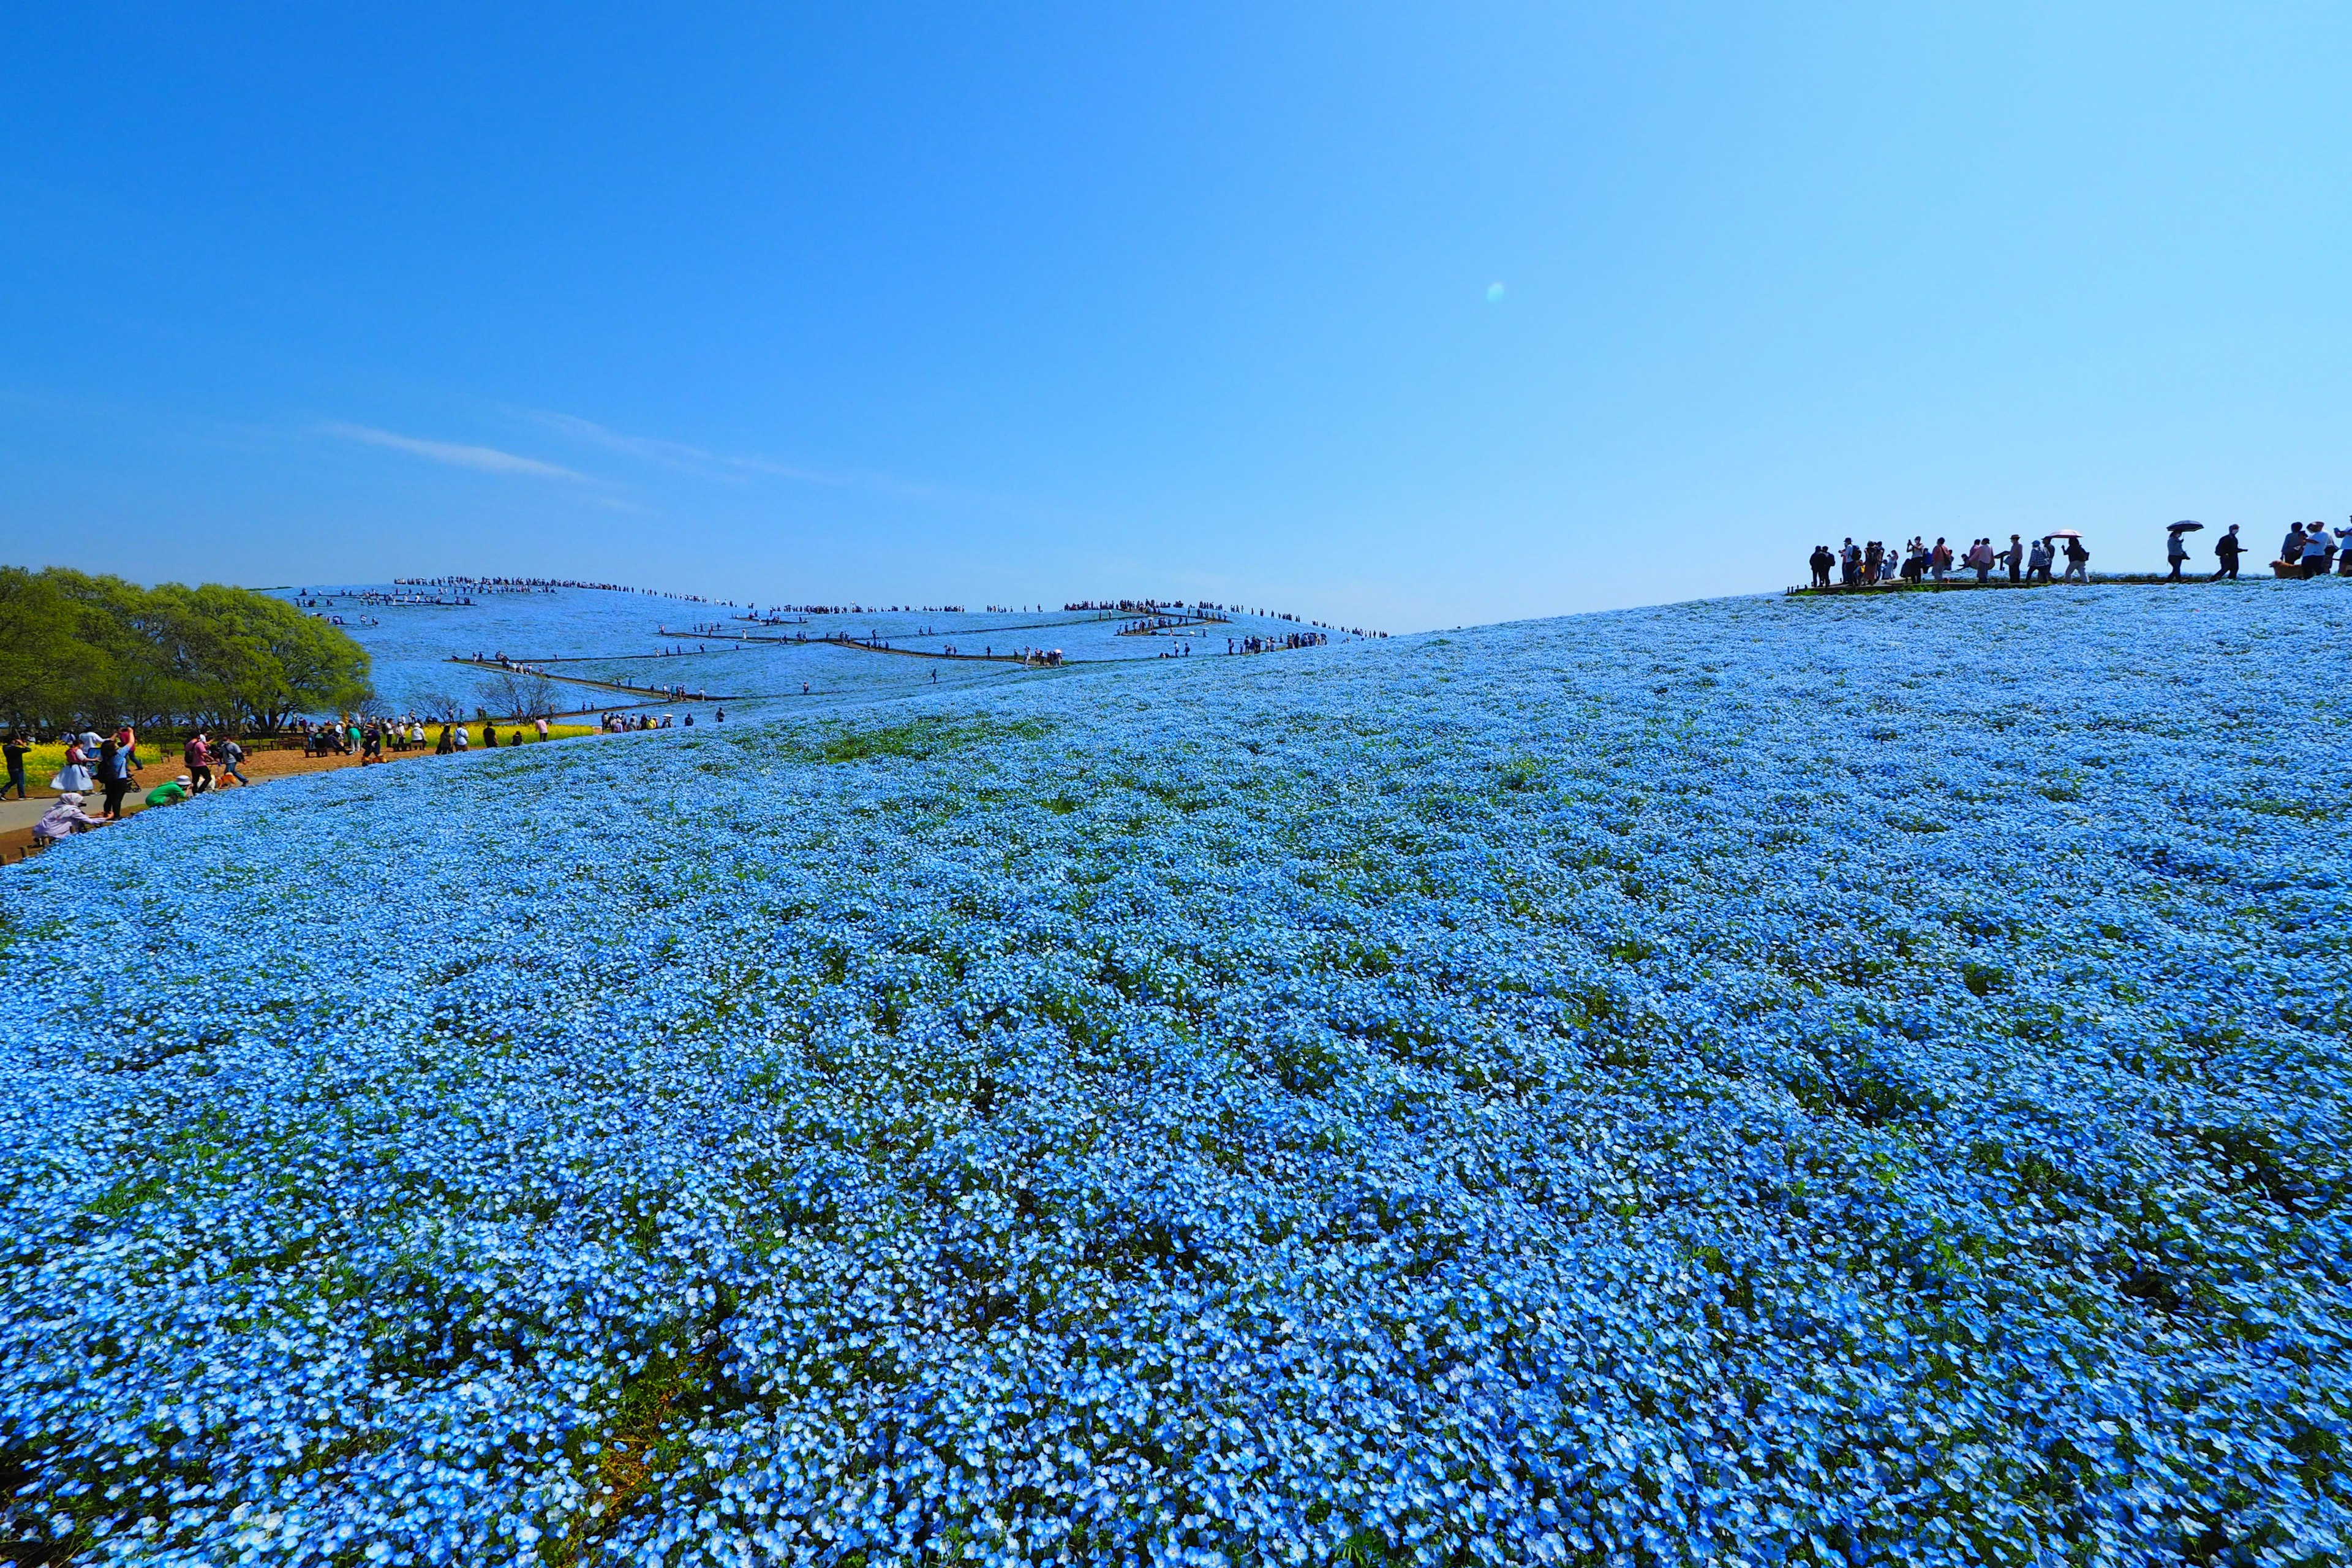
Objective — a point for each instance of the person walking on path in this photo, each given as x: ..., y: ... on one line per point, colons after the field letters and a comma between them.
x: 74, y: 778
x: 232, y: 763
x: 198, y: 758
x: 2078, y: 563
x: 14, y: 746
x: 2227, y: 549
x: 2176, y: 551
x: 114, y: 777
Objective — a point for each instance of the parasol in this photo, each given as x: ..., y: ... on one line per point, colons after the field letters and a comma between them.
x: 2064, y: 533
x: 2184, y: 528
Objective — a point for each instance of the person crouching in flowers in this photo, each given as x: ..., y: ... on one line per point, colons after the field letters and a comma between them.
x: 65, y: 817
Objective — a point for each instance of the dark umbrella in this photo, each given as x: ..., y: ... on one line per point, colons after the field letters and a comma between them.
x: 2184, y: 528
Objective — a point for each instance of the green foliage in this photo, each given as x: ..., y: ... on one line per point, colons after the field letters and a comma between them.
x: 78, y: 650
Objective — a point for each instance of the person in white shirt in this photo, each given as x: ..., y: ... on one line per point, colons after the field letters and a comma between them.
x: 2317, y: 546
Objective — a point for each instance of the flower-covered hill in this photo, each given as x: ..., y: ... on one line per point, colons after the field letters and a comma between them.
x: 1750, y: 1081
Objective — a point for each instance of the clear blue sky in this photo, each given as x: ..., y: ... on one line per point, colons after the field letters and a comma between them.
x: 986, y: 303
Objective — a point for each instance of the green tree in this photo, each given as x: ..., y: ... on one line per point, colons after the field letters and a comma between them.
x: 81, y: 650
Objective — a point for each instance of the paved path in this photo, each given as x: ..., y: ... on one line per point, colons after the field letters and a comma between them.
x: 15, y: 813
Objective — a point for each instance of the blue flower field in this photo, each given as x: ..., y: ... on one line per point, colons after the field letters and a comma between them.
x: 1760, y: 1081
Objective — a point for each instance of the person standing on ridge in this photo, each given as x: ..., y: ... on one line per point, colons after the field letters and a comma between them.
x: 1820, y: 563
x: 2227, y: 549
x: 14, y: 746
x: 2078, y: 563
x: 2175, y: 553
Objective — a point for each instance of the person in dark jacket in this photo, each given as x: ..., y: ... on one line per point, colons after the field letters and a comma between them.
x: 2227, y: 550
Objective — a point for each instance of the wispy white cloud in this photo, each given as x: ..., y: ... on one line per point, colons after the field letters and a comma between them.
x: 486, y: 459
x: 710, y: 465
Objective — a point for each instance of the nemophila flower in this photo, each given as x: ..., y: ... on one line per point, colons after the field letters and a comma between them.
x: 1750, y: 1081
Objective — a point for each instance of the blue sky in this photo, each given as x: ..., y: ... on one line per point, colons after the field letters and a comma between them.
x: 983, y: 304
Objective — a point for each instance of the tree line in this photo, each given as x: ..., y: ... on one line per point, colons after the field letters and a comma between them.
x: 81, y: 651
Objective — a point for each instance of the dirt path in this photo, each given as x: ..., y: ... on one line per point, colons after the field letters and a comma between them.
x: 261, y: 767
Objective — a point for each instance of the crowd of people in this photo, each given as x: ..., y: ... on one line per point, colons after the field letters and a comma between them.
x: 1873, y: 565
x: 2309, y: 549
x: 109, y: 766
x: 1267, y: 644
x: 2313, y: 550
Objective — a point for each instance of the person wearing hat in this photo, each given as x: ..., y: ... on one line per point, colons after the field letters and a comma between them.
x: 65, y: 817
x: 171, y: 794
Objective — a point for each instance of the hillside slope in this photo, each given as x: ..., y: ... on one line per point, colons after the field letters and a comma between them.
x: 1750, y: 1081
